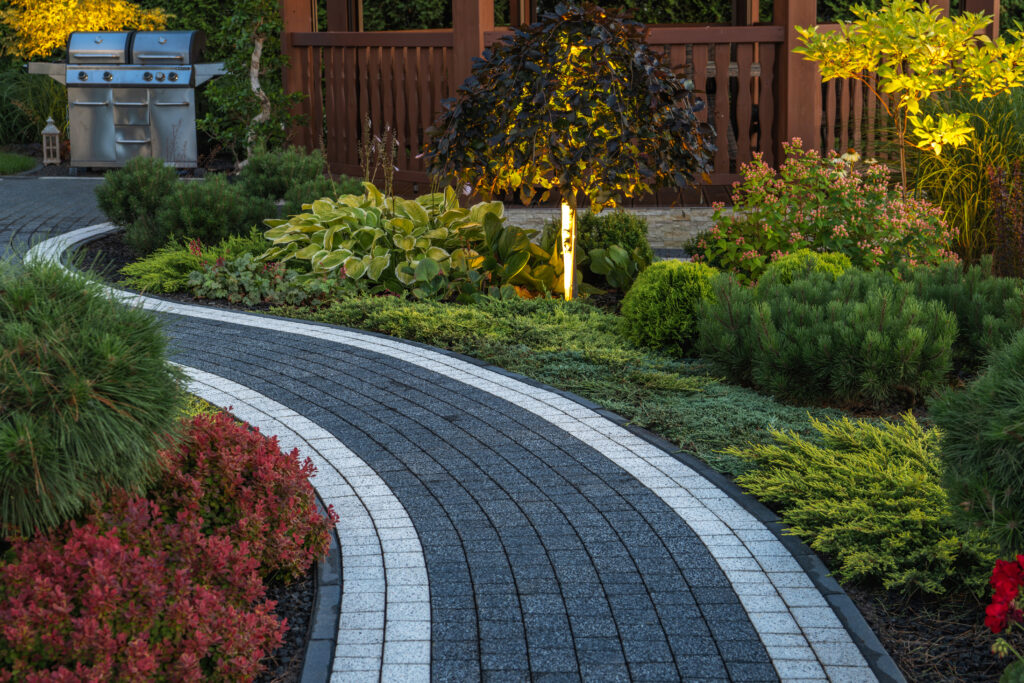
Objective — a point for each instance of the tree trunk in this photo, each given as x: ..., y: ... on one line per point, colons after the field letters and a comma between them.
x: 569, y: 248
x: 254, y: 83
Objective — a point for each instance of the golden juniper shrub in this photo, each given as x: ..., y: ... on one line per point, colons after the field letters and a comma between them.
x: 870, y: 497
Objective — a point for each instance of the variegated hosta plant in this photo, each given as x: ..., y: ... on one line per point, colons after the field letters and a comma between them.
x: 428, y: 246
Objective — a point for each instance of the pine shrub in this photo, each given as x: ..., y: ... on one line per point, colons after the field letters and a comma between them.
x: 860, y: 340
x: 989, y: 310
x: 210, y: 210
x: 86, y: 396
x: 869, y: 497
x: 983, y: 447
x: 131, y: 197
x: 662, y: 307
x: 164, y: 271
x: 804, y: 261
x: 270, y: 173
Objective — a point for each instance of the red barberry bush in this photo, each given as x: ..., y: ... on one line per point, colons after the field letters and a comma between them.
x: 132, y: 594
x: 239, y: 482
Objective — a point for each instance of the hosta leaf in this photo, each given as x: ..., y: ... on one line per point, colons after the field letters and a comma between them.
x: 308, y: 251
x: 355, y: 267
x: 405, y: 274
x: 427, y: 269
x: 437, y: 253
x: 332, y: 260
x: 515, y: 265
x: 323, y: 207
x: 405, y: 242
x: 378, y: 265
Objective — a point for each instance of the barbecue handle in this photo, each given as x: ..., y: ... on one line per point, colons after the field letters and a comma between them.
x: 91, y: 104
x: 172, y: 104
x: 97, y: 55
x: 134, y: 142
x: 160, y: 55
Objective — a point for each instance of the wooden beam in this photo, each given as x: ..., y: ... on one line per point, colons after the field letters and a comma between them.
x: 798, y: 99
x: 296, y: 16
x: 471, y: 19
x: 428, y: 38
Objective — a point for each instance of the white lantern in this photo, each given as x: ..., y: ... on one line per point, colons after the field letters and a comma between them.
x: 51, y: 143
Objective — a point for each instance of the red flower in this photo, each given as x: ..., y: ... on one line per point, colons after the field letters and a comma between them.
x: 1007, y: 579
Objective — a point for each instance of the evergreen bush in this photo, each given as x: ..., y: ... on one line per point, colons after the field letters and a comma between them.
x: 269, y: 173
x: 210, y: 211
x: 983, y: 447
x: 860, y: 340
x: 661, y: 309
x: 86, y: 396
x: 870, y: 497
x: 989, y: 310
x: 308, y: 191
x: 804, y: 261
x: 131, y: 197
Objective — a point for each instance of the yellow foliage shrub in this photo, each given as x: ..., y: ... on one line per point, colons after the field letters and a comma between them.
x: 41, y: 28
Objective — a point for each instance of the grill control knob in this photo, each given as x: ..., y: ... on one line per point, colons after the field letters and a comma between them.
x: 82, y: 76
x: 107, y: 76
x: 173, y: 76
x: 147, y: 76
x: 160, y: 76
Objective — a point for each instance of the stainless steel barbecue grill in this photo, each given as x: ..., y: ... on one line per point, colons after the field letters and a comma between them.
x: 132, y: 93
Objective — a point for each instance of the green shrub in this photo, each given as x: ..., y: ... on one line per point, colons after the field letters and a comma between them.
x: 806, y: 261
x: 983, y: 447
x: 164, y: 271
x: 131, y: 197
x: 247, y: 281
x: 29, y: 99
x: 860, y: 340
x: 86, y: 396
x: 869, y: 497
x: 661, y: 309
x: 270, y: 173
x: 602, y: 231
x: 989, y: 310
x: 210, y: 210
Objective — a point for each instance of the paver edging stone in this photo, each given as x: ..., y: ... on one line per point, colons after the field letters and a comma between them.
x: 842, y: 606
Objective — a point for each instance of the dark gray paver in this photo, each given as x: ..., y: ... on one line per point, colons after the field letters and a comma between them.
x: 32, y: 209
x: 543, y: 556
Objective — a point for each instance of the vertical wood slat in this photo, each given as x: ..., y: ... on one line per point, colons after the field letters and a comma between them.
x: 303, y: 131
x: 412, y: 105
x: 744, y: 108
x: 352, y: 109
x: 373, y: 88
x: 439, y: 88
x: 872, y: 120
x: 858, y: 114
x: 335, y: 131
x: 387, y: 82
x: 401, y: 71
x: 316, y: 98
x: 722, y: 107
x: 846, y: 113
x: 700, y: 77
x: 425, y: 104
x: 766, y: 107
x: 830, y: 115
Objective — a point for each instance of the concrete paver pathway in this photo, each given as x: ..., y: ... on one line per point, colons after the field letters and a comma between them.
x: 495, y: 529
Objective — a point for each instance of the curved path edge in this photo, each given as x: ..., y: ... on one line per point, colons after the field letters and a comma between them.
x: 801, y: 614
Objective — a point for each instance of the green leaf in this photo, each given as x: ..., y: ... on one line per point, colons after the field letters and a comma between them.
x: 427, y: 269
x: 355, y: 267
x: 515, y: 265
x: 378, y: 264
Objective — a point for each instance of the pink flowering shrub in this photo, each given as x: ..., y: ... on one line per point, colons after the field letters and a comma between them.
x: 131, y: 594
x: 239, y: 481
x: 822, y: 205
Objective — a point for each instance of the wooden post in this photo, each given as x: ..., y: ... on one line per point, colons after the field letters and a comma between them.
x: 297, y: 17
x: 942, y: 5
x: 798, y: 84
x: 988, y: 7
x: 745, y: 12
x: 344, y: 15
x: 470, y: 20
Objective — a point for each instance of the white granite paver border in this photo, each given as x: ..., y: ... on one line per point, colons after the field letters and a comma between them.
x: 761, y: 569
x: 376, y: 621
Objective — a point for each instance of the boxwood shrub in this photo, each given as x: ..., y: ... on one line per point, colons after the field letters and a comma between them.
x: 662, y: 307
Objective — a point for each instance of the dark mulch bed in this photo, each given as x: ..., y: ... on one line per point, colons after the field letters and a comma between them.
x: 933, y: 639
x: 294, y: 604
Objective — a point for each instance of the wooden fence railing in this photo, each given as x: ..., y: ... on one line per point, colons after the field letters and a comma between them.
x: 758, y: 93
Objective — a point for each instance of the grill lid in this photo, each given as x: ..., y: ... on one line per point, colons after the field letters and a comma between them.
x: 167, y: 47
x: 95, y: 47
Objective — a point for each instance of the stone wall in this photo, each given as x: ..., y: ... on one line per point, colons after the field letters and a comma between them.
x: 669, y: 228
